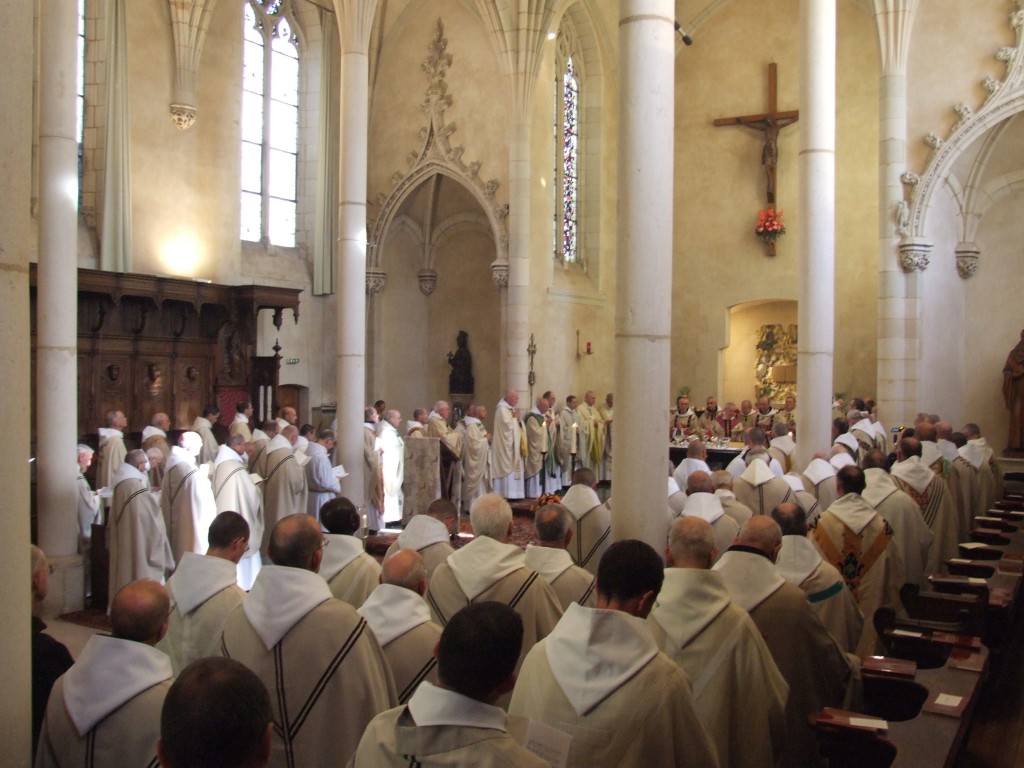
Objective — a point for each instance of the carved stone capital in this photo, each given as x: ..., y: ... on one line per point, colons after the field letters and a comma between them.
x: 183, y: 116
x: 915, y: 254
x: 910, y: 178
x: 967, y: 259
x: 376, y: 279
x: 499, y: 274
x: 428, y: 281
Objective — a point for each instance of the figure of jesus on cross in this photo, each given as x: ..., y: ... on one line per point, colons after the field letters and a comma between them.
x: 768, y: 123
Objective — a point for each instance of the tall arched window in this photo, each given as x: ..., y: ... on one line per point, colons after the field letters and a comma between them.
x: 567, y: 144
x: 270, y: 123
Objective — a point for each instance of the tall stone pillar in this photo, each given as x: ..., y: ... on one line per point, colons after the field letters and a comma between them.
x: 817, y: 163
x: 56, y: 298
x: 355, y: 21
x: 516, y: 366
x: 644, y: 299
x: 898, y: 302
x: 15, y: 405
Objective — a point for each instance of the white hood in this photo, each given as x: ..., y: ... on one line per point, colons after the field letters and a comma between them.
x: 180, y: 456
x: 482, y: 562
x: 280, y: 598
x: 853, y: 512
x: 339, y: 552
x: 580, y: 499
x: 841, y: 460
x: 198, y: 578
x: 848, y: 440
x: 975, y: 455
x: 818, y: 470
x: 750, y: 578
x: 127, y: 472
x: 152, y: 431
x: 106, y: 433
x: 795, y: 482
x: 930, y: 452
x: 880, y: 486
x: 706, y: 506
x: 690, y: 599
x: 549, y: 562
x: 593, y: 652
x: 226, y: 454
x: 757, y: 473
x: 797, y: 559
x: 914, y: 473
x: 276, y: 443
x: 391, y: 611
x: 784, y: 443
x: 108, y: 673
x: 422, y: 532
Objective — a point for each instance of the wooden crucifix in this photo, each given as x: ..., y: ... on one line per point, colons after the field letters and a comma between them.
x: 768, y: 123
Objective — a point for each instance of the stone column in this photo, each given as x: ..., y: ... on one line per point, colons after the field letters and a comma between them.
x: 898, y: 303
x: 644, y: 302
x: 56, y: 299
x: 817, y: 164
x: 516, y: 366
x: 355, y: 20
x: 15, y: 406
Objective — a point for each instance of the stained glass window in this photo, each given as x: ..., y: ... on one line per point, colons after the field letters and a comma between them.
x: 570, y: 160
x: 567, y: 148
x: 270, y: 123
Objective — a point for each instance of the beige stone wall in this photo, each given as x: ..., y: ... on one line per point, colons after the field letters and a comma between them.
x: 720, y: 186
x: 739, y: 358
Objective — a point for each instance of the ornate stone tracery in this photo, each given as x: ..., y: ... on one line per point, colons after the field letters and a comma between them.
x: 1004, y: 99
x: 437, y: 156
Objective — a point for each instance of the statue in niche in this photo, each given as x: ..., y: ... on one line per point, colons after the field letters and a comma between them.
x: 1013, y: 396
x: 154, y: 379
x: 460, y: 380
x: 113, y: 372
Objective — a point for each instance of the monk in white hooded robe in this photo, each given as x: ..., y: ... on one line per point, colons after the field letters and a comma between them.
x: 760, y: 488
x: 235, y: 491
x: 911, y: 535
x: 592, y: 523
x: 428, y: 536
x: 930, y: 493
x: 508, y: 447
x: 325, y: 672
x: 475, y: 452
x: 186, y: 498
x: 284, y: 485
x: 139, y: 548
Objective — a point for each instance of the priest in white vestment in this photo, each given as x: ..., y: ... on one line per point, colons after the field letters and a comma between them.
x: 476, y: 446
x: 139, y: 548
x: 600, y: 677
x: 373, y: 491
x: 88, y: 505
x: 819, y: 480
x: 800, y: 562
x: 392, y: 465
x: 240, y: 425
x: 703, y: 504
x: 154, y: 438
x: 722, y: 483
x: 429, y: 533
x: 990, y: 479
x: 400, y: 620
x: 549, y: 557
x: 457, y: 722
x: 911, y: 535
x: 325, y: 671
x: 186, y: 498
x: 204, y: 591
x: 235, y: 491
x: 592, y: 521
x: 257, y: 449
x: 203, y: 426
x: 105, y: 710
x: 536, y: 427
x: 758, y: 486
x: 111, y: 449
x: 802, y: 498
x: 508, y: 448
x: 437, y: 426
x: 859, y: 543
x: 782, y: 447
x: 489, y: 568
x: 321, y: 481
x: 569, y: 442
x: 932, y: 497
x: 757, y: 444
x: 350, y: 573
x: 960, y: 477
x: 819, y: 674
x: 737, y: 689
x: 284, y: 484
x: 696, y: 459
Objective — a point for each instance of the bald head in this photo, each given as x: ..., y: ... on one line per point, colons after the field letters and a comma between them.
x: 943, y: 431
x: 791, y: 519
x: 926, y: 432
x: 874, y: 459
x: 296, y: 542
x: 698, y: 482
x: 290, y: 433
x: 721, y: 478
x: 139, y: 612
x: 405, y: 568
x: 696, y: 450
x: 907, y: 447
x: 691, y: 543
x: 763, y: 533
x: 552, y: 522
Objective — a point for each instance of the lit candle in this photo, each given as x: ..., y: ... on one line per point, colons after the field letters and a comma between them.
x: 573, y: 444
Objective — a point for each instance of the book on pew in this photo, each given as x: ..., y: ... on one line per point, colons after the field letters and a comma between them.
x: 946, y: 704
x: 840, y: 718
x: 945, y: 638
x: 961, y: 658
x: 890, y: 667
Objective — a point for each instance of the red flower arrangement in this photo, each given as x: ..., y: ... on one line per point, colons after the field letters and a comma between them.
x: 770, y: 226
